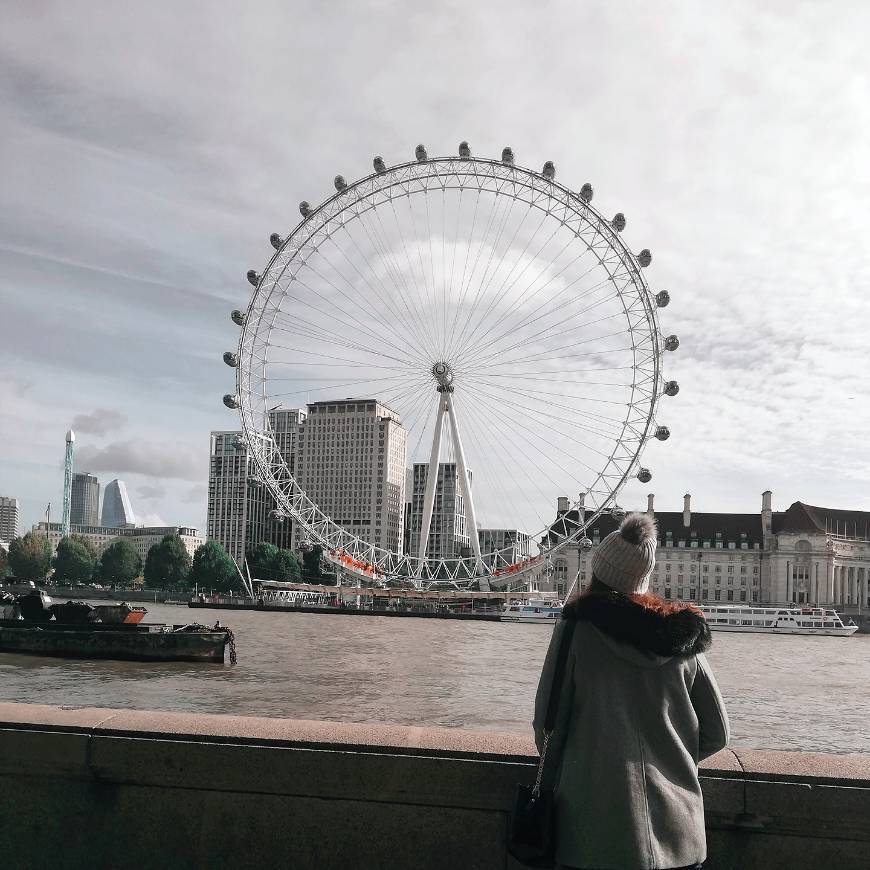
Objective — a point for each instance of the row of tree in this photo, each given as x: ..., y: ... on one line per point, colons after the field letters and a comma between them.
x: 167, y: 565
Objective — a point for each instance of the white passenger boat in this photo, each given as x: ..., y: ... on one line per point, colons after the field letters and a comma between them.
x: 540, y: 610
x: 776, y: 620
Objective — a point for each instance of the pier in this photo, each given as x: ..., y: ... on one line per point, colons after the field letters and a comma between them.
x: 86, y: 787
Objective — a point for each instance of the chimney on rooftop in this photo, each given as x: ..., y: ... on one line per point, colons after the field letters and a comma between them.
x: 687, y: 510
x: 562, y: 504
x: 766, y: 511
x: 649, y: 504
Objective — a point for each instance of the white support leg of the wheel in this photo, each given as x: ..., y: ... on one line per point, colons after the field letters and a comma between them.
x: 431, y: 482
x: 465, y: 486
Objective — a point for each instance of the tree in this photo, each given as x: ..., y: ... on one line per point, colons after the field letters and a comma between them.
x: 311, y: 570
x: 167, y: 563
x: 120, y: 563
x: 4, y: 563
x: 74, y: 560
x: 30, y: 557
x: 213, y: 569
x: 267, y: 562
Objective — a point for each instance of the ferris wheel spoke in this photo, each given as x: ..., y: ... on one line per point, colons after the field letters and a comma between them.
x: 477, y: 432
x: 527, y: 449
x: 418, y: 246
x: 387, y: 307
x: 516, y: 328
x: 332, y: 385
x: 460, y: 339
x: 515, y: 424
x: 538, y: 397
x: 485, y: 281
x: 518, y: 301
x: 431, y: 344
x: 352, y: 321
x: 391, y: 264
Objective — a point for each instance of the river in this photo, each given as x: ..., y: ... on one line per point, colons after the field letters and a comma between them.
x: 782, y: 692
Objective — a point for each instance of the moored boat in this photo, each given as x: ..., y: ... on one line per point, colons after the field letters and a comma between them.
x: 536, y: 610
x: 142, y: 642
x: 776, y: 620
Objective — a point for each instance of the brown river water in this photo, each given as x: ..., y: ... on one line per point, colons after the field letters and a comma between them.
x: 782, y: 692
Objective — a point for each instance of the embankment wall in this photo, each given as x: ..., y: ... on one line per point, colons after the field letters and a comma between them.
x: 92, y: 788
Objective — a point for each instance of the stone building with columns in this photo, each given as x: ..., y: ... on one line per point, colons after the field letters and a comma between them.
x: 806, y: 555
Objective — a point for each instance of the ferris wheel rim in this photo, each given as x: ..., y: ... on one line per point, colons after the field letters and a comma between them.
x: 289, y: 494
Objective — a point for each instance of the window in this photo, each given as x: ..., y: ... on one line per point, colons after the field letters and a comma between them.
x: 717, y: 594
x: 730, y: 594
x: 730, y: 569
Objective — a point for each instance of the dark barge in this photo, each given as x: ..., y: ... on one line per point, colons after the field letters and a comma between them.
x: 77, y: 630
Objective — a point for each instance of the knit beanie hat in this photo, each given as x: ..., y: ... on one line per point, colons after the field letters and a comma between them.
x: 625, y: 558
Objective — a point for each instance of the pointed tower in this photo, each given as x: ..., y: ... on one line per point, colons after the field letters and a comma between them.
x: 67, y: 480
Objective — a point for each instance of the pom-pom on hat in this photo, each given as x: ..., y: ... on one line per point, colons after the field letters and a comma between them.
x: 625, y: 558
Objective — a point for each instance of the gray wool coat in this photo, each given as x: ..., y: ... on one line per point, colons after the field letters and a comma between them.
x: 639, y: 707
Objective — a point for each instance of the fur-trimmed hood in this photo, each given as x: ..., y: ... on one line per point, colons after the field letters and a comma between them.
x: 646, y: 622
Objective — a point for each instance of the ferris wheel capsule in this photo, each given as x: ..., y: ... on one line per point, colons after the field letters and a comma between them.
x: 464, y: 150
x: 617, y: 513
x: 304, y: 208
x: 584, y: 544
x: 618, y: 222
x: 644, y: 257
x: 253, y: 278
x: 276, y: 516
x: 276, y: 241
x: 662, y: 299
x: 339, y: 182
x: 238, y: 442
x: 644, y: 475
x: 231, y: 401
x: 379, y: 164
x: 549, y: 170
x: 238, y: 317
x: 231, y: 359
x: 420, y: 154
x: 507, y: 156
x: 671, y: 388
x: 672, y: 342
x: 586, y: 192
x: 662, y: 433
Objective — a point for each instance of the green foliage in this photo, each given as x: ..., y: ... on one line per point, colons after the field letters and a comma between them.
x: 5, y: 570
x: 29, y: 557
x: 120, y: 563
x: 74, y: 560
x: 267, y: 562
x: 311, y: 567
x: 167, y: 563
x: 213, y: 569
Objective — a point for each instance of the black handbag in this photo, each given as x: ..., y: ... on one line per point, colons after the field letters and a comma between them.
x: 532, y: 831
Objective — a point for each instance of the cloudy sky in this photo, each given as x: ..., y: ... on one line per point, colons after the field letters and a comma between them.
x: 148, y: 151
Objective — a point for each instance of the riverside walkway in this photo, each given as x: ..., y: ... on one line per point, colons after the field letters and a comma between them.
x: 89, y: 788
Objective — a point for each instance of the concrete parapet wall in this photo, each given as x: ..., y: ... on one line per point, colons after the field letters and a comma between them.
x: 91, y: 788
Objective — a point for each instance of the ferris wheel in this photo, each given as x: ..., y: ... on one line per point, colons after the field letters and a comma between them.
x: 503, y: 322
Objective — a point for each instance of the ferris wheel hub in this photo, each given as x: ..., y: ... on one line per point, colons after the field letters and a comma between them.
x: 443, y: 374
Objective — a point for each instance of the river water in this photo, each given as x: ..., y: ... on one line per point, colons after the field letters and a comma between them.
x: 782, y: 692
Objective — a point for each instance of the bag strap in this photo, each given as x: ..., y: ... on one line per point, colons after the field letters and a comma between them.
x: 555, y: 693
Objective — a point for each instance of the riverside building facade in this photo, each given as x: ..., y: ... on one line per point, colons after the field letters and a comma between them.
x: 84, y: 500
x: 9, y: 518
x: 448, y: 532
x: 240, y: 507
x: 142, y: 538
x: 350, y: 462
x: 512, y: 545
x: 805, y: 555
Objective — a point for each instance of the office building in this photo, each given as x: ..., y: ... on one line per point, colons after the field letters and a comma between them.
x: 9, y: 518
x: 448, y: 531
x: 117, y: 510
x: 85, y: 500
x: 241, y: 510
x: 351, y: 463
